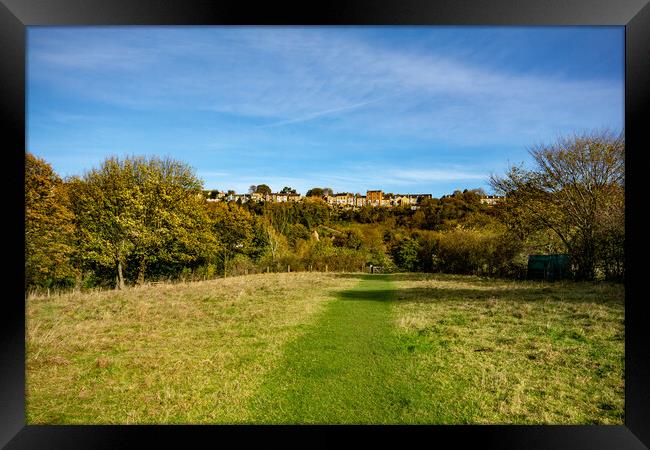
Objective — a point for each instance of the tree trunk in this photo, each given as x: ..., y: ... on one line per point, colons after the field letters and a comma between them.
x: 78, y: 280
x: 119, y: 278
x: 143, y: 265
x: 585, y: 263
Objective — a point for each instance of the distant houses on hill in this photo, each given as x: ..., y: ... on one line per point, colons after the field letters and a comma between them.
x: 492, y: 200
x: 342, y: 199
x: 375, y: 198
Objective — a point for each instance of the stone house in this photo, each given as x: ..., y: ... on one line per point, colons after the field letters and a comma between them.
x: 374, y: 198
x: 492, y: 200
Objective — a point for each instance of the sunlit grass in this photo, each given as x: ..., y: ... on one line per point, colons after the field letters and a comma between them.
x: 176, y: 353
x: 329, y: 348
x: 341, y: 370
x: 514, y: 352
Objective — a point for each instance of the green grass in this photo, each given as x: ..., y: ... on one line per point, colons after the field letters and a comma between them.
x: 340, y: 371
x: 329, y: 348
x: 183, y: 353
x: 514, y: 352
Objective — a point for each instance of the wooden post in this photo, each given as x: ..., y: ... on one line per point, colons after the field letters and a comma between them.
x: 267, y: 269
x: 288, y: 268
x: 325, y: 267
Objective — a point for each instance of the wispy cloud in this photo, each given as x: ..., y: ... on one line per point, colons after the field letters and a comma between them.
x: 416, y: 176
x: 318, y: 114
x: 212, y: 174
x: 293, y: 76
x: 286, y: 102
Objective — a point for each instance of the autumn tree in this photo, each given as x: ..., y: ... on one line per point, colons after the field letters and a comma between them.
x: 576, y: 191
x: 288, y: 190
x: 277, y: 242
x: 49, y: 229
x: 349, y: 239
x: 105, y: 205
x: 146, y: 210
x: 173, y: 222
x: 233, y: 228
x: 319, y: 192
x: 211, y: 194
x: 262, y: 189
x: 406, y: 254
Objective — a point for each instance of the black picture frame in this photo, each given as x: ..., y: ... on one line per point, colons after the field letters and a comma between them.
x: 16, y: 15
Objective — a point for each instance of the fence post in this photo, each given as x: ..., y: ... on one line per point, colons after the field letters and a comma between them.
x: 326, y: 268
x: 288, y: 268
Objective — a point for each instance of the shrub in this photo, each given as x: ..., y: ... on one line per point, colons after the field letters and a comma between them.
x: 478, y: 252
x: 405, y: 254
x: 240, y: 265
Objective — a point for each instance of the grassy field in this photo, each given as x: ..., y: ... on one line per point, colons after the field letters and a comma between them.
x: 329, y: 348
x: 507, y: 352
x: 184, y: 353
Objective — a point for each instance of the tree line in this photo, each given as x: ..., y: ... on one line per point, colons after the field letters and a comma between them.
x: 139, y: 219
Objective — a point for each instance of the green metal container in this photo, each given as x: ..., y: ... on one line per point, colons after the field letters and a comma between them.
x: 549, y: 267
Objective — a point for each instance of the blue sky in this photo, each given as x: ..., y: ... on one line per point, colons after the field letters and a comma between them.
x: 404, y: 109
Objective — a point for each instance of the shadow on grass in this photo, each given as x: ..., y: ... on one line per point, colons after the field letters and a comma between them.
x: 523, y: 294
x: 389, y: 276
x: 350, y: 276
x: 477, y: 288
x: 475, y: 280
x: 375, y: 295
x: 415, y: 276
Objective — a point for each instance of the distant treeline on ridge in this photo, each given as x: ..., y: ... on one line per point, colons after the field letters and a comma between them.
x: 138, y: 219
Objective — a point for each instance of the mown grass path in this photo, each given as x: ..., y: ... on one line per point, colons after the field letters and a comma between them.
x: 342, y: 370
x: 329, y: 348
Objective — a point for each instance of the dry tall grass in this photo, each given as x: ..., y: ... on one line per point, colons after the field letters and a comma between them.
x: 170, y: 353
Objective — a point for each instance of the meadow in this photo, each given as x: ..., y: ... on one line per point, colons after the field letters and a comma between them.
x: 329, y: 348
